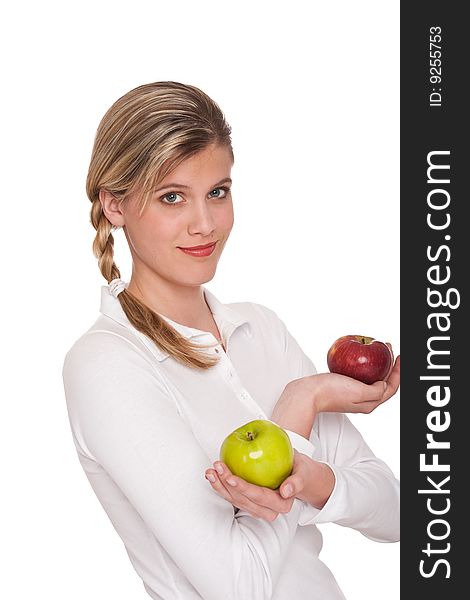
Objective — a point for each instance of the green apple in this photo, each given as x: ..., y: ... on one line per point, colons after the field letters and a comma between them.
x: 259, y: 452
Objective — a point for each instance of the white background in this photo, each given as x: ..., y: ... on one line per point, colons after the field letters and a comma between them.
x: 311, y: 90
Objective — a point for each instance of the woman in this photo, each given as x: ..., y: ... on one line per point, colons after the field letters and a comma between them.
x: 167, y: 371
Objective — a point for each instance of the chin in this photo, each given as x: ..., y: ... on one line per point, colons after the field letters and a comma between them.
x: 194, y: 279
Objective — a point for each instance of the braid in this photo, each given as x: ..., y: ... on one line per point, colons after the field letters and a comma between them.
x: 103, y: 244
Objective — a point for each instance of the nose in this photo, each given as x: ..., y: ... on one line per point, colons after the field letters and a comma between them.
x: 202, y: 220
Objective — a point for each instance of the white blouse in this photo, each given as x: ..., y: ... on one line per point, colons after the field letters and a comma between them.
x: 146, y: 428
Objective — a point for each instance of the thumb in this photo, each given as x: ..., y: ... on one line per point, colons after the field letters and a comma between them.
x: 375, y: 390
x: 290, y: 487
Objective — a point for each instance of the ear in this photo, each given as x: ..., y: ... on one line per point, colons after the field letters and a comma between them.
x: 111, y: 208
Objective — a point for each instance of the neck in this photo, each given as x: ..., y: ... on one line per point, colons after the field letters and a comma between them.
x: 183, y: 304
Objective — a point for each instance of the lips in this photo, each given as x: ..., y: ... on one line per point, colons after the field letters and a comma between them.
x: 198, y: 247
x: 200, y: 251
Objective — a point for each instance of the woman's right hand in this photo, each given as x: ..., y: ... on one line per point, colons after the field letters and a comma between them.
x: 338, y: 393
x: 303, y: 398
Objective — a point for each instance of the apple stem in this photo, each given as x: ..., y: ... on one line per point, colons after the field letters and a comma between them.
x: 363, y: 340
x: 250, y: 435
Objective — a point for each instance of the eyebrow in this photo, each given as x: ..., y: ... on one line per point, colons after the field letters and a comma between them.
x: 180, y: 185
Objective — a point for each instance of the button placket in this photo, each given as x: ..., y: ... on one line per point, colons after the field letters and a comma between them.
x: 227, y: 366
x: 234, y: 381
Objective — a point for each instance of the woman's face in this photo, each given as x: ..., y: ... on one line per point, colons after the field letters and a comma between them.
x: 192, y: 206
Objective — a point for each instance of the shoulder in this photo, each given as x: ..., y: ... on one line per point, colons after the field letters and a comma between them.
x: 105, y: 346
x: 264, y: 321
x: 268, y: 322
x: 256, y: 312
x: 107, y: 371
x: 108, y: 377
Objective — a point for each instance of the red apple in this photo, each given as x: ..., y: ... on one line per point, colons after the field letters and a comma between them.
x: 360, y: 357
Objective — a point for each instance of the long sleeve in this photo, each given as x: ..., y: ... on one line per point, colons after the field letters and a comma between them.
x: 366, y: 495
x: 124, y: 418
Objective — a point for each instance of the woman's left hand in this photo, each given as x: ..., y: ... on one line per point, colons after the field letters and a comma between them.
x: 265, y: 503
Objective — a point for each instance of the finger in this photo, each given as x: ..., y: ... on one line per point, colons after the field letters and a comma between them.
x: 371, y: 392
x: 238, y: 498
x: 390, y: 388
x: 393, y: 360
x: 268, y: 501
x: 382, y: 389
x: 235, y: 495
x: 260, y: 512
x: 393, y: 380
x: 225, y: 491
x: 292, y: 486
x: 265, y: 497
x: 217, y: 485
x: 396, y: 366
x: 367, y: 407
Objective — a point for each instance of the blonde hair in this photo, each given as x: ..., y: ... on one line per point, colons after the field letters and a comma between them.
x: 142, y: 137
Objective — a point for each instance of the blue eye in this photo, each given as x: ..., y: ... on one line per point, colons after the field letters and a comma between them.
x: 224, y: 189
x: 170, y: 197
x: 170, y: 194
